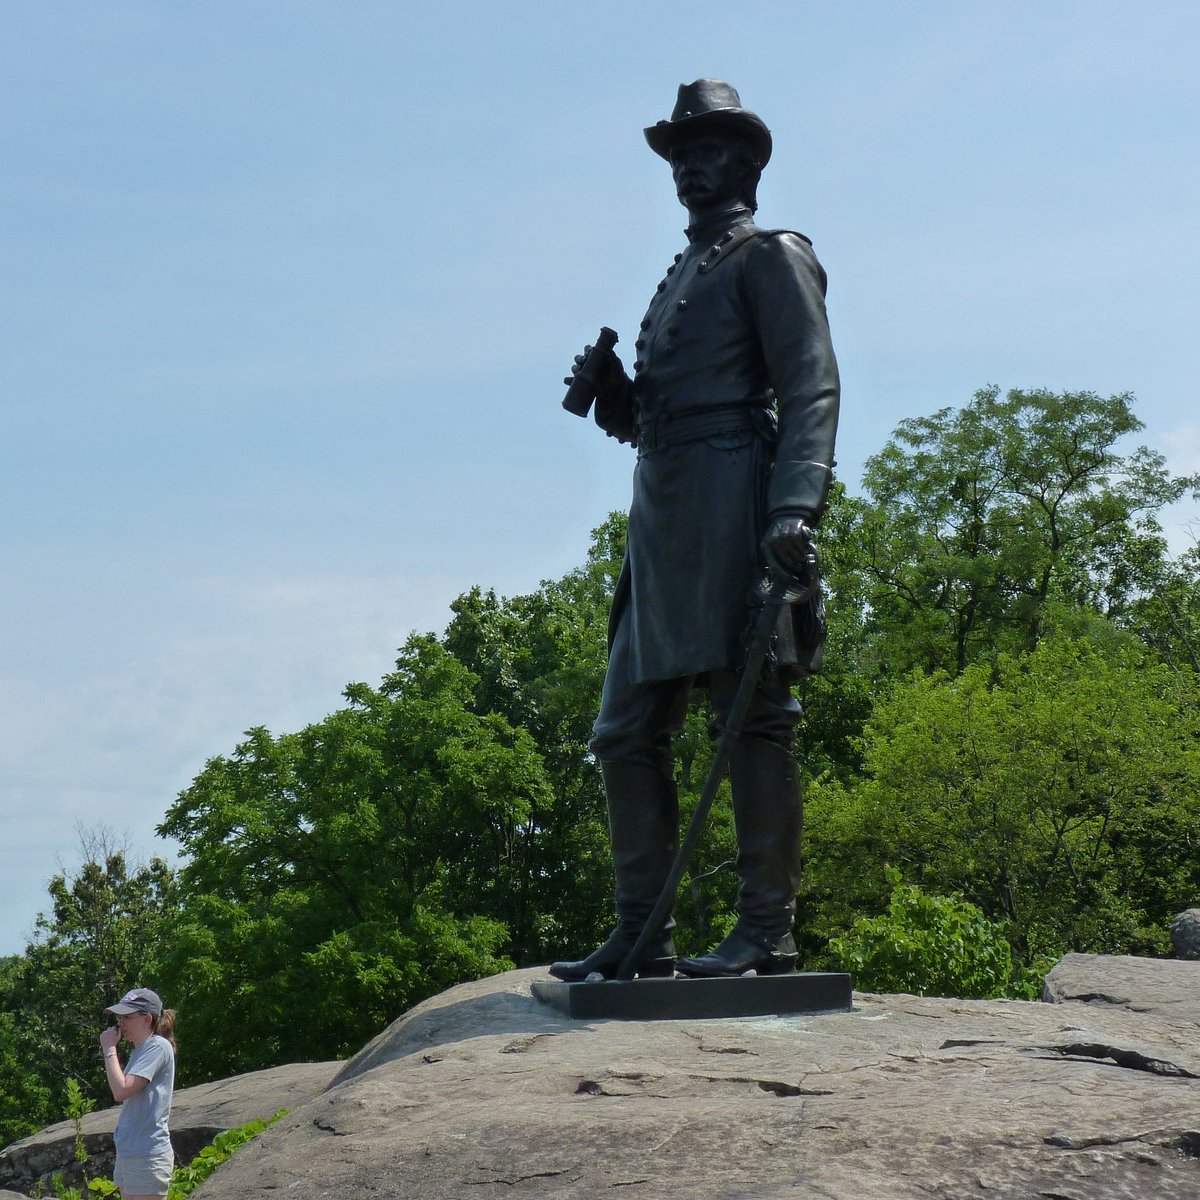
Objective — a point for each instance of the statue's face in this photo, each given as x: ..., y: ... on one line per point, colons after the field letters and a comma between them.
x: 708, y: 171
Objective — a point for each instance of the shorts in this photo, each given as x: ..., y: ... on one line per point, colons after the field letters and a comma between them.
x: 144, y: 1174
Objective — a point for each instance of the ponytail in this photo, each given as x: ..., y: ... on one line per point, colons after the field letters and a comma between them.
x: 164, y: 1026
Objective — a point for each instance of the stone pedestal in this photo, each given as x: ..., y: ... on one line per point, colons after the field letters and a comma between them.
x: 680, y: 998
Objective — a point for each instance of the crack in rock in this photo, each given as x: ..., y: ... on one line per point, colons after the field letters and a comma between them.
x: 593, y: 1087
x: 323, y: 1125
x: 776, y: 1087
x: 1064, y: 1141
x: 518, y: 1179
x: 789, y: 1089
x: 1185, y: 1142
x: 707, y: 1048
x: 1133, y: 1060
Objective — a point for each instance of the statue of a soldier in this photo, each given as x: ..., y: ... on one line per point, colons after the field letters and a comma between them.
x: 733, y: 408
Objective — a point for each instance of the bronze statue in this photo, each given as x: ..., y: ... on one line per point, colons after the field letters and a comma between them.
x: 733, y: 409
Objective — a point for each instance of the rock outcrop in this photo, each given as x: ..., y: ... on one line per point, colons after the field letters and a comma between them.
x: 198, y: 1114
x: 1185, y: 934
x: 1165, y: 987
x: 483, y: 1093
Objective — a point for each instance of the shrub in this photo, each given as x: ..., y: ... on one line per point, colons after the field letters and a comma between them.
x: 186, y: 1179
x: 931, y: 945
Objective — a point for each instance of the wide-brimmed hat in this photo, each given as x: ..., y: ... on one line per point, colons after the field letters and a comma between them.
x: 139, y: 1000
x: 710, y: 105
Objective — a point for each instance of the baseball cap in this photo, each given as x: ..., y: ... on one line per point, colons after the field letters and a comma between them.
x: 138, y: 1000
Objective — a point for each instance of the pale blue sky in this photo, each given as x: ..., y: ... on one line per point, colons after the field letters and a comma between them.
x: 288, y: 290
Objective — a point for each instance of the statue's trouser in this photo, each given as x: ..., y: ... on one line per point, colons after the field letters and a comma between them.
x: 768, y: 818
x: 643, y: 824
x: 632, y: 740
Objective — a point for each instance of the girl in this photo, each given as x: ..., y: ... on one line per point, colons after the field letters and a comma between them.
x: 143, y: 1089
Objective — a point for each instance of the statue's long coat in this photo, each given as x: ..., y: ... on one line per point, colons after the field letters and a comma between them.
x: 738, y: 320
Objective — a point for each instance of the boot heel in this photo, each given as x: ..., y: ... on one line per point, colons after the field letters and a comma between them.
x: 779, y: 964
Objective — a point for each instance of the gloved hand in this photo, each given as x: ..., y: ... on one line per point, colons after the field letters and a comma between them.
x: 789, y: 548
x: 604, y: 367
x: 614, y: 391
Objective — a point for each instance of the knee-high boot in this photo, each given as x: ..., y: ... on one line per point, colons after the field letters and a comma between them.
x: 768, y: 818
x: 643, y: 822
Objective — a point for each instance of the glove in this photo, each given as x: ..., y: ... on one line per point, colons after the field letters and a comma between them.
x: 614, y: 392
x: 789, y: 549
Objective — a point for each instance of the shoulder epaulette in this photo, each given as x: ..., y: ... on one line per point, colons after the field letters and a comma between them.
x: 794, y: 232
x: 735, y: 239
x: 727, y: 244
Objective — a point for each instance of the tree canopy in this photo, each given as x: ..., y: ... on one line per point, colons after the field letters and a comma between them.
x: 984, y: 525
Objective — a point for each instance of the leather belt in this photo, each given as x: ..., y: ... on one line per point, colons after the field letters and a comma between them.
x: 696, y: 425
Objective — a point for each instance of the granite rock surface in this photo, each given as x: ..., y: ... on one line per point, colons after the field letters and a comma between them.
x: 483, y: 1093
x: 1166, y: 987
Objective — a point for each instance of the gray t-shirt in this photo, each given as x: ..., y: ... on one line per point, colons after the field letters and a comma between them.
x: 142, y: 1125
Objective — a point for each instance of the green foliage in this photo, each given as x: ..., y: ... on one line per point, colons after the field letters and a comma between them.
x: 186, y: 1179
x: 987, y: 522
x: 78, y: 1106
x: 339, y: 875
x: 1058, y: 791
x: 1166, y: 616
x: 930, y: 946
x: 100, y: 1186
x: 26, y: 1093
x: 836, y: 703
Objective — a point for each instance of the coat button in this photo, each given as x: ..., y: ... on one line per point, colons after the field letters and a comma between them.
x: 645, y: 322
x: 638, y: 365
x: 681, y: 305
x: 662, y: 287
x: 670, y: 270
x: 640, y: 344
x: 679, y: 258
x: 727, y: 236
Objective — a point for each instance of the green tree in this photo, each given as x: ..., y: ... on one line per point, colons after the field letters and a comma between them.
x: 1058, y: 791
x: 836, y: 702
x: 341, y: 874
x: 990, y: 523
x: 1167, y: 616
x: 27, y: 1090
